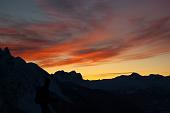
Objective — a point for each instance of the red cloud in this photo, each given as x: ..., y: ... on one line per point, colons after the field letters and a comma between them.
x: 37, y: 43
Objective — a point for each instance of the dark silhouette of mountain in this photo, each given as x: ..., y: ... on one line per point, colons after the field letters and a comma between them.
x: 68, y: 76
x: 151, y: 93
x: 18, y: 83
x: 21, y: 84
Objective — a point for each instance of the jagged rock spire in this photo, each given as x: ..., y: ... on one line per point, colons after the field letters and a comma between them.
x: 135, y: 75
x: 5, y: 53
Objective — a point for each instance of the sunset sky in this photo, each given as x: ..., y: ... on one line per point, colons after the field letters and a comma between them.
x: 98, y: 38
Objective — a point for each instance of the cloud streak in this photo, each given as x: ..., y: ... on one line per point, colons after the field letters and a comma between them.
x: 87, y: 33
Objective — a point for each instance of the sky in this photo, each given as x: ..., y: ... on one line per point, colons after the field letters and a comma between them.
x: 98, y: 38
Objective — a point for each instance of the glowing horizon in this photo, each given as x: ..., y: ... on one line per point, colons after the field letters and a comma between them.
x: 108, y: 71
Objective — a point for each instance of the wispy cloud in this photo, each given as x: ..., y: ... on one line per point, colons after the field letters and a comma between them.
x: 87, y: 33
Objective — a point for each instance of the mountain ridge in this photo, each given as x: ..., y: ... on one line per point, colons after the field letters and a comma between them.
x: 19, y: 81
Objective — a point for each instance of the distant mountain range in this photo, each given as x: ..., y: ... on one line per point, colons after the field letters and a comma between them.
x: 19, y: 82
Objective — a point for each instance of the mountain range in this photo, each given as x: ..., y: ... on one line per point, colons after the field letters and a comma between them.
x: 133, y: 93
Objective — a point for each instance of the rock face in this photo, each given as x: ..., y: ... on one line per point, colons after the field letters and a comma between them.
x: 68, y: 76
x: 71, y: 94
x: 18, y: 83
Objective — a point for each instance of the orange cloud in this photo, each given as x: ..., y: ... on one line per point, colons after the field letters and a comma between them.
x: 44, y: 43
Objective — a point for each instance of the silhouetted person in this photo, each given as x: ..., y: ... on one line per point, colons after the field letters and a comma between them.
x: 43, y: 96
